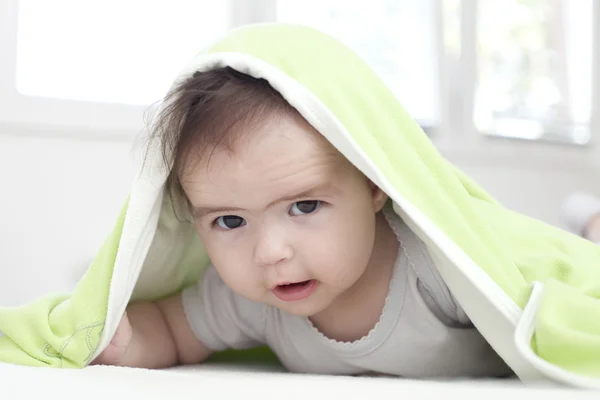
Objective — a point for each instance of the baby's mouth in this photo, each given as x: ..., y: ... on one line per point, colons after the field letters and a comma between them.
x: 294, y: 291
x: 286, y: 286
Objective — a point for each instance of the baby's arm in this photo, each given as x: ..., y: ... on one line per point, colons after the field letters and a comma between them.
x: 154, y: 335
x: 592, y: 229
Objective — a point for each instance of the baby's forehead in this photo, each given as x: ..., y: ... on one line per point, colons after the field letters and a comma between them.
x: 286, y: 166
x: 290, y: 139
x: 284, y: 154
x: 231, y: 175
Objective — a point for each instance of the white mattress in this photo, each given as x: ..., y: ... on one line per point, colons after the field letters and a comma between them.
x: 224, y: 381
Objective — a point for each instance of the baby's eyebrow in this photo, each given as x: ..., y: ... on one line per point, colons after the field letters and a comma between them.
x: 314, y: 191
x: 198, y: 211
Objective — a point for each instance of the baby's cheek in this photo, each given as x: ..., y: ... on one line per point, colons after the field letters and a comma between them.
x: 341, y: 254
x: 240, y: 279
x: 231, y: 265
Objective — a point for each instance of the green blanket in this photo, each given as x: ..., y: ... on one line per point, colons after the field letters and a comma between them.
x: 490, y: 257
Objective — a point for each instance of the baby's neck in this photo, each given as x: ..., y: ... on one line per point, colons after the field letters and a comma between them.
x: 352, y: 315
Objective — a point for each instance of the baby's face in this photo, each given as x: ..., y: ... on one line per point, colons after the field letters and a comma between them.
x: 285, y: 218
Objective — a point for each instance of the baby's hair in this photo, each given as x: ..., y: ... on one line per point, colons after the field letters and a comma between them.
x: 208, y: 110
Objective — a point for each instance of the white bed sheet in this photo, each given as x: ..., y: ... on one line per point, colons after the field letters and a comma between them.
x: 218, y: 381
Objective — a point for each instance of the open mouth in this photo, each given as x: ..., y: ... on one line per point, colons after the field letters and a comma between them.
x: 294, y: 291
x: 291, y: 286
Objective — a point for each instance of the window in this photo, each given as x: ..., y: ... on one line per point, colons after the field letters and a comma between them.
x: 111, y: 51
x: 398, y: 38
x: 534, y: 69
x: 511, y: 69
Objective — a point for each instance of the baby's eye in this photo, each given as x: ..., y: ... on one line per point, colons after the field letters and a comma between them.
x: 304, y: 207
x: 230, y: 222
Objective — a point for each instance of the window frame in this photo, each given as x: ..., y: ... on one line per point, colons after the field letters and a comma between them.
x: 462, y: 144
x: 78, y: 118
x: 454, y: 134
x: 468, y: 65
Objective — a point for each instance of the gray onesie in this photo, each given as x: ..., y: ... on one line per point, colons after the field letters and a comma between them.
x: 422, y: 331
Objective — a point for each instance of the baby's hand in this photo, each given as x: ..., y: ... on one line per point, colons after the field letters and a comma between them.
x: 115, y: 353
x: 153, y: 335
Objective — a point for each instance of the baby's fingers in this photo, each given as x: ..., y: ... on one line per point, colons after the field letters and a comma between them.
x: 115, y: 351
x: 122, y: 336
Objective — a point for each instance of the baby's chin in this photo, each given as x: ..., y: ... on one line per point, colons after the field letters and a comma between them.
x: 303, y: 308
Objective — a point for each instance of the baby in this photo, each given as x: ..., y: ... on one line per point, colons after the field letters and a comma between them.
x: 581, y: 212
x: 306, y: 254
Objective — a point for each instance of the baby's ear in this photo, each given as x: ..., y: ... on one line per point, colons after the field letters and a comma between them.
x: 378, y: 195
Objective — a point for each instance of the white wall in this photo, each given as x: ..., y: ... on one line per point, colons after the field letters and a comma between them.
x: 60, y: 197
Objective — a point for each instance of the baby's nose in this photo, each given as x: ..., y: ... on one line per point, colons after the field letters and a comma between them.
x: 272, y: 248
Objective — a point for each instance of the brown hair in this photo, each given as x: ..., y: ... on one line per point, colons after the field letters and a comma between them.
x: 208, y: 110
